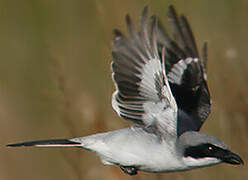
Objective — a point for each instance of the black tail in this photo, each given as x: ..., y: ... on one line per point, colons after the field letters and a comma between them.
x: 48, y: 143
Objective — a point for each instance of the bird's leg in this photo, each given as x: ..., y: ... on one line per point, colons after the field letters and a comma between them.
x: 130, y: 170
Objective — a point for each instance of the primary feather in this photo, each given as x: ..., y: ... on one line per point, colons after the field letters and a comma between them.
x: 143, y: 93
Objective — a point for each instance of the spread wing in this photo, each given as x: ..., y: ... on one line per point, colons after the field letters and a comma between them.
x: 186, y: 72
x: 142, y: 94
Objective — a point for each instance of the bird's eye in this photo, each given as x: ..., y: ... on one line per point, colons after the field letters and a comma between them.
x: 210, y: 149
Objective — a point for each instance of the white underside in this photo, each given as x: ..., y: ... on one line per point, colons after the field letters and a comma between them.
x: 135, y: 147
x: 196, y: 163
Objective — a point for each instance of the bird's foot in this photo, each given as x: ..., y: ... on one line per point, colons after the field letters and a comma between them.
x: 130, y: 170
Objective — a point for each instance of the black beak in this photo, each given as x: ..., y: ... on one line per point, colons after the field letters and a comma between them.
x: 232, y: 158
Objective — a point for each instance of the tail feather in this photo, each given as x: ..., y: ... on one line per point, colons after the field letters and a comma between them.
x: 48, y: 143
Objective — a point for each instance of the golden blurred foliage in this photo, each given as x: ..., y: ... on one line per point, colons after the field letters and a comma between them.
x: 55, y: 82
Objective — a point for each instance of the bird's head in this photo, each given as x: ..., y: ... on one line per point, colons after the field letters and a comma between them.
x: 200, y: 149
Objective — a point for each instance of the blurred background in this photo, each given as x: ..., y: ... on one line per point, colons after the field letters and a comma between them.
x: 55, y: 82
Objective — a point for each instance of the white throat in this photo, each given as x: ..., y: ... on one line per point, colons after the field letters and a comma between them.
x: 194, y: 163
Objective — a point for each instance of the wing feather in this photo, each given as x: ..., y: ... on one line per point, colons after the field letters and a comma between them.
x: 142, y: 94
x: 186, y: 72
x: 156, y: 75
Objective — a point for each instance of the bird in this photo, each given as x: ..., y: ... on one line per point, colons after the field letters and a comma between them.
x: 161, y: 87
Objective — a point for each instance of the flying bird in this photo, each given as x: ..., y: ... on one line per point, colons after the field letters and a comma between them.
x: 161, y: 86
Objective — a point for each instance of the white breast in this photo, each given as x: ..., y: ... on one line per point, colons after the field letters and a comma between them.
x: 136, y: 147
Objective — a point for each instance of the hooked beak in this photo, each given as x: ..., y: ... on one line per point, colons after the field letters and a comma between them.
x: 232, y: 158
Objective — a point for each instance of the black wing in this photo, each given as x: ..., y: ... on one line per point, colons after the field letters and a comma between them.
x: 186, y: 72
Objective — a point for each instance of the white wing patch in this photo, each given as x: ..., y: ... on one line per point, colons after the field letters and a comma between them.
x: 143, y: 94
x: 160, y: 115
x: 175, y: 76
x: 148, y: 85
x: 161, y: 110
